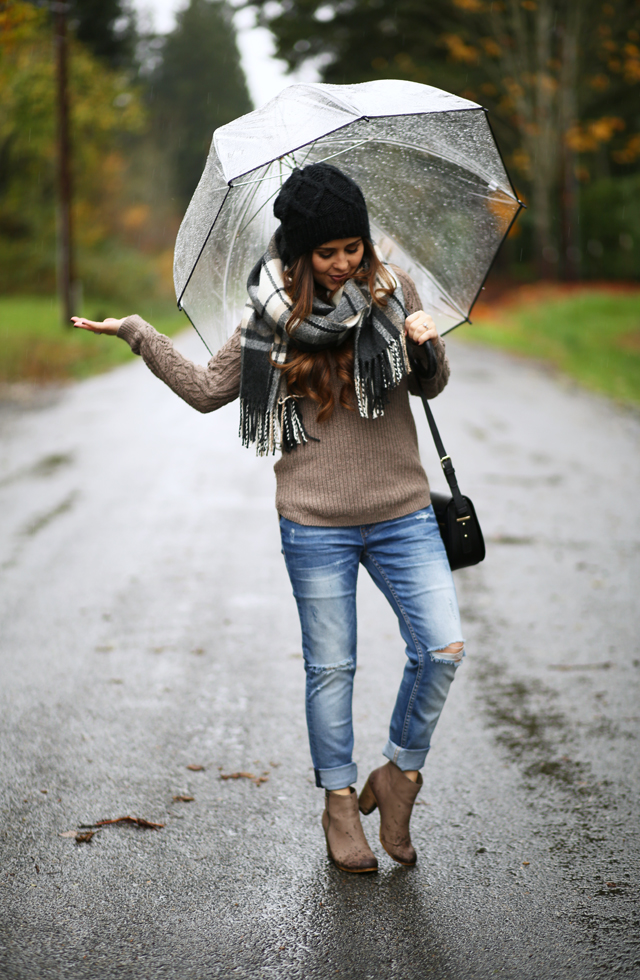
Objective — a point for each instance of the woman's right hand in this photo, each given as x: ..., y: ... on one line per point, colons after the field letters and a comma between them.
x: 108, y: 326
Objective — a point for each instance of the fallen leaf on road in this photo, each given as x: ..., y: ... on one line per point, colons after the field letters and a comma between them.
x: 85, y: 838
x: 183, y: 799
x: 195, y: 768
x: 137, y: 821
x: 245, y: 775
x: 80, y: 837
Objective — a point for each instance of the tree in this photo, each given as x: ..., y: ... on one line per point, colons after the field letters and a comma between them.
x: 104, y: 110
x: 560, y: 78
x: 197, y: 86
x: 107, y: 28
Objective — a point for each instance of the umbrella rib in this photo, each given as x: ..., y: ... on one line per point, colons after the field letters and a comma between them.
x: 235, y: 235
x: 353, y: 146
x: 259, y: 180
x: 255, y: 215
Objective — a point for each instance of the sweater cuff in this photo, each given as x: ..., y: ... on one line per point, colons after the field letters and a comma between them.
x: 132, y: 329
x: 420, y: 354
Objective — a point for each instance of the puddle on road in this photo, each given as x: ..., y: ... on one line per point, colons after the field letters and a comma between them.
x: 42, y: 520
x: 42, y: 468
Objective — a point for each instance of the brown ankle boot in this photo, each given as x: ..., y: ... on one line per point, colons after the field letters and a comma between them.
x: 394, y: 793
x: 346, y: 844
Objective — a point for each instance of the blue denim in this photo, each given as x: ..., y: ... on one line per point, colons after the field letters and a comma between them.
x: 406, y: 559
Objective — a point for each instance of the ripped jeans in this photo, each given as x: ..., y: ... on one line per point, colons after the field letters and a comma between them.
x: 406, y: 559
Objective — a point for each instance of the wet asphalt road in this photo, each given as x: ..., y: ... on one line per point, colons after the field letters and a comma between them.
x: 147, y: 625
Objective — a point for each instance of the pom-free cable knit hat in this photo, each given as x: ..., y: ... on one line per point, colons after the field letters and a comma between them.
x: 315, y: 205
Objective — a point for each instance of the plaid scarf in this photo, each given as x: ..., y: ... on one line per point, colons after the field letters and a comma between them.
x: 269, y: 415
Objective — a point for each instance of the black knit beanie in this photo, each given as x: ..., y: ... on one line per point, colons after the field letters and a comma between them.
x: 316, y: 205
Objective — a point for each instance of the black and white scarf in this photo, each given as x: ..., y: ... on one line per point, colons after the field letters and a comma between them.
x: 269, y: 415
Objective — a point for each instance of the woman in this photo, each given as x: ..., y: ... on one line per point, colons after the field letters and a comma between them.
x: 321, y: 363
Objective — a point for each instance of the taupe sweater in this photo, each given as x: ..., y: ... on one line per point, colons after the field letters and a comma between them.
x: 359, y: 472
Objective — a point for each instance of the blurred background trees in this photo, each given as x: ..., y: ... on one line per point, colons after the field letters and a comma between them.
x: 143, y: 110
x: 197, y: 85
x: 561, y: 79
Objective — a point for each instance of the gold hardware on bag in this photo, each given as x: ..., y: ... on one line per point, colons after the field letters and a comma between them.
x: 463, y: 518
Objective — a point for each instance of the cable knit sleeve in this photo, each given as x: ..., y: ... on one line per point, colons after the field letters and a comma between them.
x: 432, y: 386
x: 204, y: 388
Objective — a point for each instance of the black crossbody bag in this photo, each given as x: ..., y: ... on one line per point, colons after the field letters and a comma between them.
x: 456, y: 516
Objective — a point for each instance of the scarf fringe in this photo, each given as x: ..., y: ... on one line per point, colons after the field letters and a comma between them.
x: 376, y: 377
x: 282, y: 429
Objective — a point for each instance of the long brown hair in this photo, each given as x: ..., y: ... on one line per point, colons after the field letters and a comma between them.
x: 309, y: 374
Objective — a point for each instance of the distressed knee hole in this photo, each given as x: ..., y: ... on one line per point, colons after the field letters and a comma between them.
x: 328, y: 668
x: 453, y: 652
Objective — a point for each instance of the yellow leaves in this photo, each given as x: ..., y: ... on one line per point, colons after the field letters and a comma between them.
x: 491, y: 47
x: 592, y: 135
x: 522, y: 162
x: 471, y: 6
x: 459, y: 50
x: 514, y: 89
x: 103, y: 107
x: 630, y: 153
x: 488, y: 88
x: 404, y: 62
x: 632, y: 64
x: 546, y: 83
x: 379, y: 64
x: 18, y: 23
x: 529, y: 4
x: 135, y: 217
x: 600, y: 82
x: 604, y: 129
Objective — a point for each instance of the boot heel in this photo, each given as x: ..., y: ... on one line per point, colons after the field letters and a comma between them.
x: 367, y: 801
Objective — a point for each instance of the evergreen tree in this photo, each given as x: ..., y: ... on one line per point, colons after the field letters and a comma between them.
x: 197, y: 86
x: 107, y: 28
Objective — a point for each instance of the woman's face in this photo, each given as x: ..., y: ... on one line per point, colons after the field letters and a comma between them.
x: 336, y: 261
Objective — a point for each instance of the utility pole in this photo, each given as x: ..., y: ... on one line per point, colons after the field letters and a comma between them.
x: 66, y: 277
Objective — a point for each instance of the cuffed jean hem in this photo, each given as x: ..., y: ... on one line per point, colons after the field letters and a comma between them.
x: 338, y: 778
x: 405, y: 758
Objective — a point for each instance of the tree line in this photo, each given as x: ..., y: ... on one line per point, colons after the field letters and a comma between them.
x: 143, y: 109
x: 561, y: 81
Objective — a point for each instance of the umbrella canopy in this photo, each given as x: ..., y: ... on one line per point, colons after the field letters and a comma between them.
x: 439, y: 198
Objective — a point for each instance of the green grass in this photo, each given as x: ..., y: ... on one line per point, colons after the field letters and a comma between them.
x: 591, y: 334
x: 35, y: 346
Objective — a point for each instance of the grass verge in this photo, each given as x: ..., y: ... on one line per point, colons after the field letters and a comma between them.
x: 36, y: 347
x: 590, y: 333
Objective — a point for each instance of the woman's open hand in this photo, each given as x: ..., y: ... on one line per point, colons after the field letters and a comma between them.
x: 109, y: 326
x: 419, y: 327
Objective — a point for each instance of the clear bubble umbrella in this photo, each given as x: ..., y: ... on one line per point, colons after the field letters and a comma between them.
x: 439, y: 197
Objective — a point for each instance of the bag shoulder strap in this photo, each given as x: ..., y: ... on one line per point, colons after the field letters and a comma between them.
x: 460, y: 504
